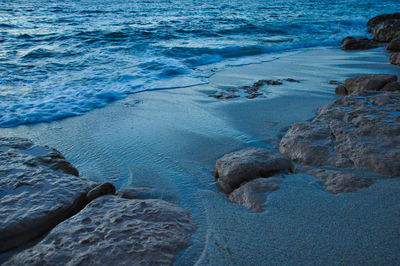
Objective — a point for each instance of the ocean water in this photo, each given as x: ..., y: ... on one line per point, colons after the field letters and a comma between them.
x: 64, y: 58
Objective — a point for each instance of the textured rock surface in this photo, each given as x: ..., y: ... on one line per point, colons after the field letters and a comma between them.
x: 337, y: 181
x: 361, y: 130
x: 244, y: 165
x: 110, y: 230
x: 395, y: 58
x: 358, y: 43
x: 252, y: 194
x: 144, y: 193
x: 386, y: 31
x: 365, y: 82
x: 37, y: 191
x: 382, y: 18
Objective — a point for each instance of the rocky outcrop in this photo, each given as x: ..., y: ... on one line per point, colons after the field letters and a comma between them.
x: 366, y: 82
x: 113, y: 230
x: 252, y: 194
x: 382, y: 18
x: 394, y: 45
x: 358, y: 43
x: 395, y: 58
x: 237, y: 167
x: 360, y: 130
x: 38, y: 189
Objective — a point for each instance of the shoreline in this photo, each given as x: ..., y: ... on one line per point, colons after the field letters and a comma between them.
x: 170, y: 140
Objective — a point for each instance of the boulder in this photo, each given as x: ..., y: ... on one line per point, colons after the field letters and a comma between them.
x: 38, y: 189
x: 111, y: 229
x: 394, y: 45
x: 392, y: 86
x: 234, y: 168
x: 144, y: 193
x: 252, y: 194
x: 358, y: 43
x: 382, y: 18
x: 395, y: 58
x: 360, y: 130
x: 100, y: 190
x: 365, y: 82
x: 386, y: 30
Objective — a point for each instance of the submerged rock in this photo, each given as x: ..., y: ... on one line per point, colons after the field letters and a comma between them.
x: 365, y: 82
x: 360, y: 130
x: 144, y: 193
x: 234, y: 168
x: 38, y: 189
x: 252, y: 194
x: 358, y: 43
x: 111, y: 229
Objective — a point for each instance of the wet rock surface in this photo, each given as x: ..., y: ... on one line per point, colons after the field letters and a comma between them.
x: 111, y: 229
x: 252, y: 194
x: 395, y: 58
x: 394, y: 45
x: 366, y: 82
x: 358, y: 43
x: 237, y: 167
x: 38, y: 189
x: 360, y: 130
x: 250, y: 92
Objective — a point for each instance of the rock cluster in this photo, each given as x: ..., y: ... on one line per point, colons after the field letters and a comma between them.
x: 384, y: 29
x: 250, y: 92
x: 379, y: 82
x: 360, y: 130
x: 245, y: 173
x: 41, y: 191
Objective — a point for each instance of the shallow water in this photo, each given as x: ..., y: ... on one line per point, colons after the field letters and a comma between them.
x: 60, y: 59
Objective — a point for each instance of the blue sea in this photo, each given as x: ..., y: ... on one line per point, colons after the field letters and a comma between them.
x: 64, y: 58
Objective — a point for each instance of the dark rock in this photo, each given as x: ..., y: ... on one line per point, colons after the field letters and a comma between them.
x: 358, y: 43
x: 291, y: 80
x: 144, y: 193
x: 341, y: 90
x: 391, y: 86
x: 394, y: 45
x: 368, y: 82
x: 335, y: 82
x: 386, y: 31
x: 360, y: 130
x: 252, y: 194
x: 382, y: 18
x: 234, y: 168
x: 112, y: 230
x: 395, y: 58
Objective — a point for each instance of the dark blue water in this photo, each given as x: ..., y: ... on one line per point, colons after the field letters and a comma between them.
x: 64, y: 58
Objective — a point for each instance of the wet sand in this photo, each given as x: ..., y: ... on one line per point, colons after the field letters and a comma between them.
x: 170, y: 140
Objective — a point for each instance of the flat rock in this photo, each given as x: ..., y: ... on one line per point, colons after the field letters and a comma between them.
x: 360, y: 130
x: 111, y: 229
x: 252, y: 194
x: 336, y: 181
x: 38, y: 189
x: 358, y: 43
x: 365, y: 82
x: 234, y: 168
x: 395, y: 58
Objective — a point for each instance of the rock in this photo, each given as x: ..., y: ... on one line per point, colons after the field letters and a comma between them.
x: 360, y: 130
x: 358, y: 43
x: 335, y: 82
x: 143, y: 193
x: 100, y: 190
x: 394, y: 45
x: 366, y: 82
x: 37, y: 191
x: 392, y: 86
x: 386, y: 30
x: 252, y: 194
x: 111, y: 229
x: 395, y: 58
x: 341, y: 90
x: 336, y: 181
x: 234, y: 168
x: 382, y: 18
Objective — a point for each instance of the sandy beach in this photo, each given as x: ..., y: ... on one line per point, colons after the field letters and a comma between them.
x: 170, y: 140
